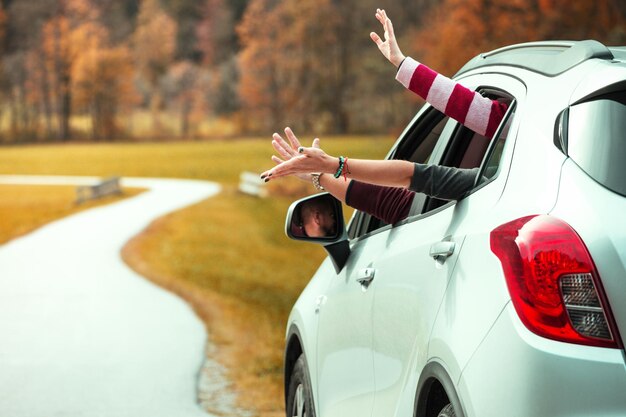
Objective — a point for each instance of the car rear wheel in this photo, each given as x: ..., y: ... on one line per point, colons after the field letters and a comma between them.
x: 447, y: 411
x: 300, y: 396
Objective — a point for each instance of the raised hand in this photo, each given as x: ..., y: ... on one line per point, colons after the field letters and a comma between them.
x: 389, y: 47
x: 289, y: 151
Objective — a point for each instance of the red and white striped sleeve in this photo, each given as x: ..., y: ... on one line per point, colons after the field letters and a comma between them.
x: 478, y: 113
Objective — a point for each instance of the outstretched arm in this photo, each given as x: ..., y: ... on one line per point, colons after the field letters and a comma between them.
x: 390, y: 204
x: 468, y: 107
x: 481, y: 114
x: 393, y: 173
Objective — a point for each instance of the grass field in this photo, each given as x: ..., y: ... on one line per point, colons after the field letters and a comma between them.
x: 24, y: 208
x: 228, y: 255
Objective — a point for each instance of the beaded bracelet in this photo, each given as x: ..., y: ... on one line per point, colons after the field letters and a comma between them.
x: 340, y: 169
x: 346, y: 169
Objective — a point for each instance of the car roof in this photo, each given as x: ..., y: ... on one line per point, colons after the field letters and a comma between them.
x: 549, y: 58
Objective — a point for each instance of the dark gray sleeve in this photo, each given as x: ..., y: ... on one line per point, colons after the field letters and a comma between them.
x: 442, y: 182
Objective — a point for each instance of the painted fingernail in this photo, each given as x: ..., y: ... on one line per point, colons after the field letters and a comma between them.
x: 263, y: 176
x: 266, y: 179
x: 300, y: 149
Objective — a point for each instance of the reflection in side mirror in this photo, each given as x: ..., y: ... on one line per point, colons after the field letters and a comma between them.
x: 319, y: 218
x: 315, y: 218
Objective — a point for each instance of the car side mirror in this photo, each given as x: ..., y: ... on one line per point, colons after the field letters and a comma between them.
x: 319, y: 219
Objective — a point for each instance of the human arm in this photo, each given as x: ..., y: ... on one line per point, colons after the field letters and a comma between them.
x: 481, y: 114
x: 393, y: 173
x: 389, y: 204
x: 392, y: 204
x: 439, y: 181
x: 448, y: 183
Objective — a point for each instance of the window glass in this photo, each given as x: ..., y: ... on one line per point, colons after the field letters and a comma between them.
x: 595, y: 139
x: 463, y: 149
x: 491, y: 165
x: 417, y: 146
x: 468, y: 149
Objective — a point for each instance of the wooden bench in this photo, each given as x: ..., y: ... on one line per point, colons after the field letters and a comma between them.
x: 252, y: 184
x: 107, y: 186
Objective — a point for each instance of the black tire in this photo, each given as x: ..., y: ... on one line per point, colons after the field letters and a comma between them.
x: 447, y: 411
x: 300, y: 395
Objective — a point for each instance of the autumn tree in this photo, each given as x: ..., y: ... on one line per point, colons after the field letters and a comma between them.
x: 21, y: 23
x: 3, y: 27
x: 215, y: 33
x: 103, y: 81
x: 282, y: 61
x: 459, y: 29
x: 187, y: 14
x: 65, y: 36
x: 21, y: 116
x: 119, y: 17
x: 217, y: 46
x: 259, y: 60
x: 313, y: 64
x: 184, y: 85
x: 154, y: 46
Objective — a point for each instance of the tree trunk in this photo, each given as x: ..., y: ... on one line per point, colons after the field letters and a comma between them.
x: 65, y: 109
x: 184, y: 118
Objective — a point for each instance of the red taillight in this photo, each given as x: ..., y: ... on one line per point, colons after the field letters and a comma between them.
x: 553, y: 282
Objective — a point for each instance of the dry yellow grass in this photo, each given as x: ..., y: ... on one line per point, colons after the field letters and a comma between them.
x: 241, y: 278
x: 24, y: 208
x: 227, y: 256
x: 219, y: 160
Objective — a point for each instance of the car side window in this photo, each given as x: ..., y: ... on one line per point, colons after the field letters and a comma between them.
x: 493, y: 156
x: 460, y: 147
x: 468, y: 149
x: 418, y: 145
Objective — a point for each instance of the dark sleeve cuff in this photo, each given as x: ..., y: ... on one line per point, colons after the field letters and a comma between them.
x: 389, y: 204
x: 442, y: 182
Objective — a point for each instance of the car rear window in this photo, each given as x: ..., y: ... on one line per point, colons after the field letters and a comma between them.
x: 596, y: 139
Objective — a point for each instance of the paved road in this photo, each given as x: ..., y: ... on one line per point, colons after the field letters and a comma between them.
x: 83, y: 335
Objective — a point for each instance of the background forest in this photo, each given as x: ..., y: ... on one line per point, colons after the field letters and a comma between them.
x: 148, y: 69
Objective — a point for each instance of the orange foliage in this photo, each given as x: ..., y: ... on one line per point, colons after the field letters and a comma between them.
x: 154, y: 41
x: 306, y: 63
x: 285, y: 59
x: 459, y: 29
x: 154, y: 44
x: 103, y: 83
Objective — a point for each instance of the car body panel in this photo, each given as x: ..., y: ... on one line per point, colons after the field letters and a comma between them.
x: 408, y: 286
x: 304, y: 319
x: 519, y: 374
x: 344, y: 345
x: 599, y: 217
x: 605, y: 74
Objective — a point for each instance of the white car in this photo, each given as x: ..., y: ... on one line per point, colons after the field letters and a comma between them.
x: 508, y: 302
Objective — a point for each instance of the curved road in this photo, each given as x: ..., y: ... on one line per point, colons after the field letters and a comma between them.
x: 81, y: 333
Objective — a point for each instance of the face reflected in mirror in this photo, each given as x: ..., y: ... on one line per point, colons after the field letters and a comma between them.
x: 315, y: 218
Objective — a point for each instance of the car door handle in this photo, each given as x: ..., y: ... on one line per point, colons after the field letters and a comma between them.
x: 441, y: 250
x: 365, y: 276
